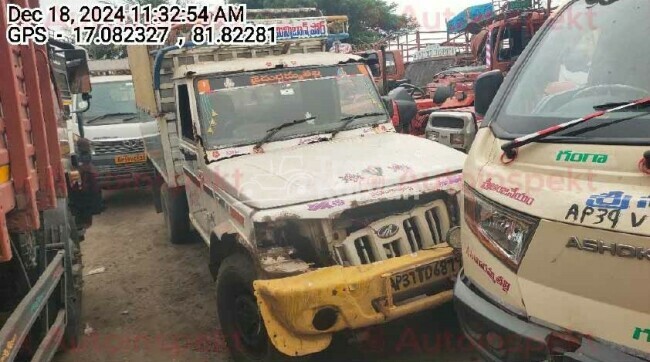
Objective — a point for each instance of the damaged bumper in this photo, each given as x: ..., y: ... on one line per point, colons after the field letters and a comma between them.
x: 500, y: 336
x: 302, y: 312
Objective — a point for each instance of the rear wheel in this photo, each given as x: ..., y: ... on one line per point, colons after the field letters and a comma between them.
x: 176, y: 212
x: 239, y: 314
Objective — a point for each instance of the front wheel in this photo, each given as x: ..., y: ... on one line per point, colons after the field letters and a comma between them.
x: 239, y: 314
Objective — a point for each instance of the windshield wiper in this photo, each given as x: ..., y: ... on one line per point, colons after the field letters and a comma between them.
x: 273, y: 131
x: 606, y: 106
x: 510, y: 148
x: 348, y: 120
x: 109, y: 115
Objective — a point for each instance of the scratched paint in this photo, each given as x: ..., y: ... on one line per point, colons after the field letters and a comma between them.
x: 6, y: 352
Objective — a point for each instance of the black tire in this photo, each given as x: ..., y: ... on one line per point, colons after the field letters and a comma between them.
x: 238, y: 310
x: 176, y: 212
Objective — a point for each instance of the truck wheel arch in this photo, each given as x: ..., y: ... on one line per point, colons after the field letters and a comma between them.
x: 222, y: 247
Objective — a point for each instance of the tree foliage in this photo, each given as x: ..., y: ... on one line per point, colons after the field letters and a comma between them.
x: 369, y: 20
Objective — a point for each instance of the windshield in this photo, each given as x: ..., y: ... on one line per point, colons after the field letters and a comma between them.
x: 240, y: 109
x: 593, y: 54
x: 112, y: 103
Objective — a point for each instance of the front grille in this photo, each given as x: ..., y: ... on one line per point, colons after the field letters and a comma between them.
x: 447, y: 122
x: 118, y: 147
x: 125, y: 169
x: 421, y: 228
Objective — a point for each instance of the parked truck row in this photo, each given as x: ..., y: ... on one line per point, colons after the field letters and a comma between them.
x: 322, y: 214
x: 268, y: 154
x: 47, y: 197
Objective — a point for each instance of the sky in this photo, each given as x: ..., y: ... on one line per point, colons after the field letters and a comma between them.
x: 431, y: 14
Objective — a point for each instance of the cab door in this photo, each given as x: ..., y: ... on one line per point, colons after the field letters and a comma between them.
x: 192, y: 156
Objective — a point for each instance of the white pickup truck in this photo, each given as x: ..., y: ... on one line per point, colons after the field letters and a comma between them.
x: 319, y: 217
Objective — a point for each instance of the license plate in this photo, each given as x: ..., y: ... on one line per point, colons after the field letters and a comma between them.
x: 133, y: 158
x: 424, y: 274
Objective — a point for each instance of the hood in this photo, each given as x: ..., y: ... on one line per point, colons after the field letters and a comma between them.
x: 330, y: 169
x: 112, y: 132
x: 599, y: 187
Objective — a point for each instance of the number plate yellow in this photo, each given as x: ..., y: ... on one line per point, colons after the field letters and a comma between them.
x: 424, y: 274
x: 133, y: 158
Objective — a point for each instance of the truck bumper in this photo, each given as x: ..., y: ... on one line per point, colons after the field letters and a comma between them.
x: 500, y: 336
x: 302, y: 312
x: 112, y: 176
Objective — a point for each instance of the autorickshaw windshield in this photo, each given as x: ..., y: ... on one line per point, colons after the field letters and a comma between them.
x: 595, y: 54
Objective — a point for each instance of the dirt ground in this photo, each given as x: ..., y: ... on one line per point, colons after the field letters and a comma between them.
x: 155, y: 301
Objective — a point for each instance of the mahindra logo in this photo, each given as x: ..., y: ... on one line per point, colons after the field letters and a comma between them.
x: 388, y: 231
x: 600, y: 247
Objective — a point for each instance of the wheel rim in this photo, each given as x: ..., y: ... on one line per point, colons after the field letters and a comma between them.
x: 249, y: 324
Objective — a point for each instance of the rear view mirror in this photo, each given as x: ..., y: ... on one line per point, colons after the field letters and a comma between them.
x: 486, y: 87
x: 70, y: 66
x: 406, y: 107
x: 82, y: 107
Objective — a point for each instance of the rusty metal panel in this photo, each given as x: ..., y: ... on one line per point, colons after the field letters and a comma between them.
x: 7, y: 200
x: 45, y: 195
x: 141, y: 71
x: 16, y: 328
x: 52, y: 340
x: 51, y: 116
x: 18, y: 134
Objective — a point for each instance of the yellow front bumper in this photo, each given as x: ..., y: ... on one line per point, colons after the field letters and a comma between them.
x: 362, y: 296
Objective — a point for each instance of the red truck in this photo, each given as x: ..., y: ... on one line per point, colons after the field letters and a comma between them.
x: 46, y: 198
x: 446, y: 105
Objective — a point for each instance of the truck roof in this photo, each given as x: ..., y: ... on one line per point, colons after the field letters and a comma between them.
x: 108, y: 65
x: 265, y: 63
x: 110, y: 78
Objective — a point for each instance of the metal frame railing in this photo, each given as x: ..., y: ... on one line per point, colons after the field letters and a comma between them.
x: 25, y: 315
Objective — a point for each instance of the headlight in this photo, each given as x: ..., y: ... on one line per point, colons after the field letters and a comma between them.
x: 504, y: 232
x: 433, y: 136
x: 457, y: 139
x: 272, y: 234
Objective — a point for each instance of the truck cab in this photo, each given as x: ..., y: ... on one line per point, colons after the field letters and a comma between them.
x: 499, y: 34
x: 285, y: 161
x: 393, y: 67
x: 556, y: 220
x: 113, y: 125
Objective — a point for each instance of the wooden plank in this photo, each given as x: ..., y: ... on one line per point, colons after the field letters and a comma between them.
x: 141, y: 71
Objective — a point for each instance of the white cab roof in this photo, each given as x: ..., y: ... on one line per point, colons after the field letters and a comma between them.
x: 269, y: 62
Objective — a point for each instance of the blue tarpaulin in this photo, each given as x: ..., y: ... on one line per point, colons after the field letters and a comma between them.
x: 472, y: 14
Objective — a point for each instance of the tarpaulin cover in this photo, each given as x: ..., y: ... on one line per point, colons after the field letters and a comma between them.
x: 472, y: 14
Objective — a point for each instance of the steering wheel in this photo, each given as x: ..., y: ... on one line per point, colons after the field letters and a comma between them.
x: 413, y: 89
x: 596, y: 90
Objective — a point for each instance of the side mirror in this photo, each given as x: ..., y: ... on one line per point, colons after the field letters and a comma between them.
x: 83, y: 105
x: 485, y: 88
x: 375, y: 68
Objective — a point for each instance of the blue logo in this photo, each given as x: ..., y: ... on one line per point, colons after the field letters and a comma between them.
x: 644, y: 202
x: 617, y: 200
